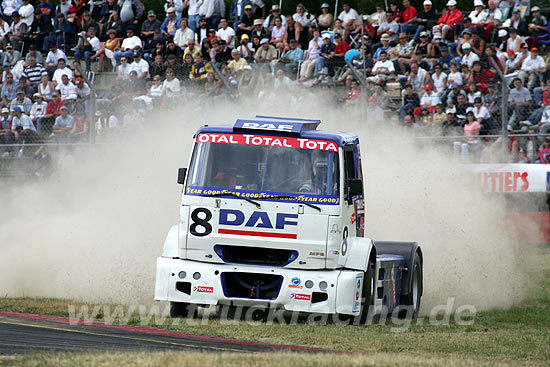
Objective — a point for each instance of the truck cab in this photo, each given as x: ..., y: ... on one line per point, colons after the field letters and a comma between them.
x: 272, y: 215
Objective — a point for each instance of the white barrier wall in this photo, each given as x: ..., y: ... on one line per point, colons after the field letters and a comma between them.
x: 513, y: 177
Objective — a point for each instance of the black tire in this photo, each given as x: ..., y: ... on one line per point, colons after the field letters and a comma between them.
x: 180, y: 309
x: 414, y: 296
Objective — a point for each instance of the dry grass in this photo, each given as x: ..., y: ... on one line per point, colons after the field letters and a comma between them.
x: 192, y: 359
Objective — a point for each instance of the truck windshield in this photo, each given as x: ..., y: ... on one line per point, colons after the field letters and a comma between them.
x: 263, y: 170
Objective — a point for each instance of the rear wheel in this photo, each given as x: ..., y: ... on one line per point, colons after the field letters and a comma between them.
x: 181, y: 309
x: 412, y: 300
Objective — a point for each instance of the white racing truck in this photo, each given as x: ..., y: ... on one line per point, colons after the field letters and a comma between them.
x: 272, y: 216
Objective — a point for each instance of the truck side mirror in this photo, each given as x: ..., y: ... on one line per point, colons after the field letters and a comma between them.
x: 182, y: 172
x: 355, y: 188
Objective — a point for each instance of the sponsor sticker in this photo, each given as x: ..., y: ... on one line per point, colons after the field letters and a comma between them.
x: 316, y: 254
x: 200, y: 289
x: 267, y: 141
x: 301, y: 297
x: 357, y: 296
x: 295, y: 283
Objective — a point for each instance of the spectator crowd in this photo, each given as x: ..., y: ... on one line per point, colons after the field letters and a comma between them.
x: 440, y: 70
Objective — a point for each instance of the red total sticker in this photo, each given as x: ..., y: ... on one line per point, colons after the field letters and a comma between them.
x: 203, y: 289
x: 268, y: 141
x: 303, y: 297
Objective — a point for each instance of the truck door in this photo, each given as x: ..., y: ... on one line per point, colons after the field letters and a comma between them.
x: 353, y: 170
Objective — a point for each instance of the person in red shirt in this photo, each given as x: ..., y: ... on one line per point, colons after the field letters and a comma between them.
x: 394, y: 8
x: 76, y: 10
x: 53, y: 109
x: 354, y: 93
x: 447, y: 22
x: 339, y: 51
x: 409, y: 12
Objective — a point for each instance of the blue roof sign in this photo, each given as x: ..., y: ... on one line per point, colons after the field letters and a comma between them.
x: 281, y: 124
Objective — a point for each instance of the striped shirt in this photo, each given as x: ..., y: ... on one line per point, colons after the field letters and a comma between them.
x: 34, y: 73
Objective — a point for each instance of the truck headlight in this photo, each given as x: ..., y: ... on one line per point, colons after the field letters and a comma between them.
x: 309, y: 284
x: 197, y: 275
x: 182, y: 274
x: 323, y: 285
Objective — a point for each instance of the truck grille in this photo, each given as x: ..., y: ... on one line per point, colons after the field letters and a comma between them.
x: 251, y: 285
x: 255, y: 255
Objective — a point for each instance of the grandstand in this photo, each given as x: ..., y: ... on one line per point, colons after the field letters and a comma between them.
x: 476, y: 75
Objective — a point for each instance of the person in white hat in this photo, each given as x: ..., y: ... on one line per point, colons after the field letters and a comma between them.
x: 494, y: 17
x: 478, y: 15
x: 538, y: 25
x: 450, y: 18
x: 425, y: 19
x: 469, y: 57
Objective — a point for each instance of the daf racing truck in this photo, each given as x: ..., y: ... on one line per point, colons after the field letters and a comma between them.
x: 272, y: 215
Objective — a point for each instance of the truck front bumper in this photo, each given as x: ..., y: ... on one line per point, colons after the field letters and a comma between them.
x: 314, y: 291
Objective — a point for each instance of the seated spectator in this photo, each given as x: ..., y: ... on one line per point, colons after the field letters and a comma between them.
x: 244, y: 24
x: 446, y: 24
x: 379, y: 16
x: 18, y: 30
x: 519, y: 100
x: 23, y: 128
x: 81, y: 126
x: 265, y: 54
x: 172, y: 49
x: 192, y: 49
x: 302, y: 23
x: 469, y: 57
x: 140, y: 66
x: 439, y: 80
x: 494, y: 18
x: 25, y: 86
x: 327, y: 53
x: 40, y: 29
x: 9, y: 88
x: 291, y: 58
x: 247, y: 83
x: 417, y: 78
x: 517, y: 23
x: 411, y: 100
x: 53, y: 57
x: 107, y: 123
x: 260, y: 32
x: 382, y: 69
x: 46, y: 88
x: 86, y: 47
x: 420, y: 51
x: 238, y: 63
x: 38, y: 110
x: 325, y: 19
x: 156, y: 92
x: 184, y: 35
x: 353, y: 95
x: 21, y: 101
x: 278, y: 35
x: 107, y: 50
x: 64, y: 34
x: 246, y: 49
x: 269, y: 22
x: 424, y: 20
x: 11, y: 56
x: 200, y: 69
x: 6, y: 135
x: 53, y: 109
x: 63, y: 126
x: 471, y: 127
x: 83, y: 95
x: 482, y: 116
x: 429, y: 99
x: 402, y: 50
x: 532, y: 68
x: 150, y: 25
x: 123, y: 68
x: 158, y: 67
x: 115, y: 24
x: 67, y: 91
x: 312, y: 56
x: 171, y: 23
x: 33, y: 72
x: 171, y: 88
x: 481, y: 76
x: 130, y: 44
x: 61, y: 70
x: 212, y: 85
x: 389, y: 27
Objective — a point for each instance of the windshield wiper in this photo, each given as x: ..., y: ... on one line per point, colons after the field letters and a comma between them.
x: 292, y: 197
x: 235, y: 195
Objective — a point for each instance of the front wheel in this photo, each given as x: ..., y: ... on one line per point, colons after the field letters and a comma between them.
x: 367, y: 300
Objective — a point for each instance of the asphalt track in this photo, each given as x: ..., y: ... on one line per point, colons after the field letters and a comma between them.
x: 23, y: 333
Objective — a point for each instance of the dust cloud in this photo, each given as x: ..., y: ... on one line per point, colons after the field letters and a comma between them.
x: 93, y: 231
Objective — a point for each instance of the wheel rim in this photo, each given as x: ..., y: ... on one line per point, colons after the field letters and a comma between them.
x: 415, y: 288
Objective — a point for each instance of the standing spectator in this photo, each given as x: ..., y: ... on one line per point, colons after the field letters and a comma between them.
x: 212, y: 10
x: 27, y: 13
x: 9, y: 7
x: 349, y: 17
x: 447, y: 22
x: 87, y: 46
x: 63, y: 8
x: 193, y: 13
x: 202, y: 30
x: 107, y: 9
x: 131, y: 12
